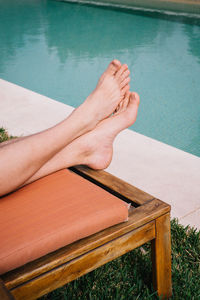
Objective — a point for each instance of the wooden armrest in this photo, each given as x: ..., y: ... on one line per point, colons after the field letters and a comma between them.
x: 4, y: 292
x: 113, y: 184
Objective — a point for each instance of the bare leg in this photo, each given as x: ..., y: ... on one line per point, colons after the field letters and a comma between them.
x: 11, y: 141
x: 95, y: 147
x: 22, y: 158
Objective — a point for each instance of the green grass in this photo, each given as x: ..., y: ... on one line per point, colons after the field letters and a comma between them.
x: 129, y: 277
x: 4, y: 136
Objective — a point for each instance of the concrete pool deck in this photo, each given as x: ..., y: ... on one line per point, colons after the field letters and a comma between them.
x: 173, y: 6
x: 166, y: 172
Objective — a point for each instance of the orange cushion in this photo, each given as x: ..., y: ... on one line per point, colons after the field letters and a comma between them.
x: 51, y: 213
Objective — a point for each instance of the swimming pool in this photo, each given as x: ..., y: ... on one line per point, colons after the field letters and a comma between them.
x: 59, y: 49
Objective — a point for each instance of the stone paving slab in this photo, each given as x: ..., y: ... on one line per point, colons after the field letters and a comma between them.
x: 166, y: 172
x: 192, y: 218
x: 24, y: 112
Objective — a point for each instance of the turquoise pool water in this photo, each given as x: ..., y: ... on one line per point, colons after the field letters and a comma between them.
x: 60, y: 49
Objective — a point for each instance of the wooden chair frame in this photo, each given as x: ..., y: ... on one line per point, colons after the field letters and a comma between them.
x: 149, y: 220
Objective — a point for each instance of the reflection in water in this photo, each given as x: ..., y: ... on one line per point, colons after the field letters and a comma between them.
x: 59, y: 49
x: 193, y: 34
x: 17, y: 25
x: 91, y: 32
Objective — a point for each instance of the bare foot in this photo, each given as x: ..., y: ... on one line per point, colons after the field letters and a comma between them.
x: 94, y: 148
x: 98, y: 144
x: 110, y: 90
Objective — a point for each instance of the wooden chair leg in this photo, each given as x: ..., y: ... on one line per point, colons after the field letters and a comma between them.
x: 161, y: 257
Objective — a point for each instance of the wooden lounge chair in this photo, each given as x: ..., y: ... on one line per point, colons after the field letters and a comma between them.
x: 149, y: 220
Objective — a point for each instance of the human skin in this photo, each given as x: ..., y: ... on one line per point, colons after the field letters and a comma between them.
x: 94, y: 148
x: 21, y: 159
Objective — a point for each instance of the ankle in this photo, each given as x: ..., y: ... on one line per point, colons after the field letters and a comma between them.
x: 80, y: 124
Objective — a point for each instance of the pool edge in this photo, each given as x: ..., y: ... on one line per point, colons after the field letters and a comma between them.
x: 159, y: 169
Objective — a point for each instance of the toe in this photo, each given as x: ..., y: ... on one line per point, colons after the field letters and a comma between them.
x: 120, y: 71
x: 125, y: 74
x: 113, y: 67
x: 132, y: 108
x: 124, y: 82
x: 124, y: 90
x: 123, y: 103
x: 126, y: 100
x: 135, y: 98
x: 117, y: 63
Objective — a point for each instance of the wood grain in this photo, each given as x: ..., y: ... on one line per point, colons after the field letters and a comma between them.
x: 4, y: 292
x: 55, y: 269
x: 112, y: 183
x: 161, y: 257
x: 85, y: 263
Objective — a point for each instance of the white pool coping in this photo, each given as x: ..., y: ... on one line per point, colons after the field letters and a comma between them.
x: 182, y: 7
x: 163, y: 171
